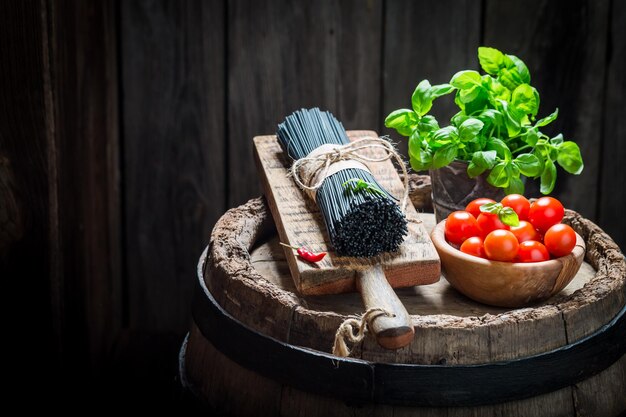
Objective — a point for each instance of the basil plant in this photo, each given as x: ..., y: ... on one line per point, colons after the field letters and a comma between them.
x: 495, y: 131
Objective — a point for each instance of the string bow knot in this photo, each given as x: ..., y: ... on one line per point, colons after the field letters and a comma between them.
x: 311, y: 171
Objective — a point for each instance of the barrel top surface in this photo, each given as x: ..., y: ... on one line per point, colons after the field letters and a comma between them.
x: 440, y: 298
x: 248, y: 275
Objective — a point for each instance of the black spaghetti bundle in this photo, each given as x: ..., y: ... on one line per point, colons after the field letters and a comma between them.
x: 359, y: 222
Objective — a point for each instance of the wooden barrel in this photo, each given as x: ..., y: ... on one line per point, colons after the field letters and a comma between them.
x: 259, y: 348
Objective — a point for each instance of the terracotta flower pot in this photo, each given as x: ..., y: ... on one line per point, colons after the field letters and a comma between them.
x: 453, y: 189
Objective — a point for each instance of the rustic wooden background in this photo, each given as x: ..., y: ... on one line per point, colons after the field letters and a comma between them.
x: 126, y: 127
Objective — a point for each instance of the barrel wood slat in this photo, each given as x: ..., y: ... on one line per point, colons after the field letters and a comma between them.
x: 247, y: 275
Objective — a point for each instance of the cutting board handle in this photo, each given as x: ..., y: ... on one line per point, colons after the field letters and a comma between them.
x: 390, y: 332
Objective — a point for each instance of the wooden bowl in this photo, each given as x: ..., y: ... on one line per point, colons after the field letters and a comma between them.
x: 505, y: 284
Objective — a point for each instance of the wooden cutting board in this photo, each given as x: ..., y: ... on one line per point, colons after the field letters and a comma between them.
x: 299, y: 223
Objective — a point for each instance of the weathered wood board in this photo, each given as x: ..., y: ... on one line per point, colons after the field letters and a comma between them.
x: 299, y: 223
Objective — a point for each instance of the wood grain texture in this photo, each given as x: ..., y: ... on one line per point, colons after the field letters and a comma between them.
x: 568, y: 71
x: 83, y: 54
x: 283, y: 56
x: 456, y: 334
x: 394, y: 329
x: 591, y: 307
x: 174, y: 146
x: 205, y: 362
x: 59, y: 147
x: 240, y: 228
x: 299, y: 222
x: 613, y: 175
x: 29, y: 267
x: 426, y: 40
x: 218, y: 387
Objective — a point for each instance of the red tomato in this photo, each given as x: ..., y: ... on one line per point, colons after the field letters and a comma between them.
x: 460, y: 225
x: 525, y: 231
x: 560, y: 239
x: 545, y: 212
x: 501, y: 245
x: 532, y: 251
x: 474, y: 206
x: 518, y: 203
x: 488, y: 222
x: 474, y: 246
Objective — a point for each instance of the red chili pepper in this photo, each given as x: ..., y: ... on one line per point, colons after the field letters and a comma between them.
x: 306, y: 254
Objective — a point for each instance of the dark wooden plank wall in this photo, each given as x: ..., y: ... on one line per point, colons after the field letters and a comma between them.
x: 612, y: 175
x: 59, y: 150
x: 134, y: 134
x: 28, y: 196
x: 174, y: 143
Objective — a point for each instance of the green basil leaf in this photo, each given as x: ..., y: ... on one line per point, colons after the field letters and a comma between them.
x: 427, y: 124
x: 465, y: 79
x: 499, y: 176
x: 444, y: 155
x: 508, y: 216
x: 531, y: 137
x: 421, y: 159
x: 478, y: 104
x: 557, y: 140
x: 490, y: 115
x: 521, y: 68
x: 467, y: 95
x: 421, y: 99
x: 446, y: 135
x: 569, y: 158
x: 511, y: 119
x: 474, y: 170
x: 547, y: 120
x: 496, y: 90
x: 459, y: 118
x: 516, y: 186
x: 458, y: 102
x: 415, y: 143
x: 490, y: 59
x: 510, y: 78
x: 491, y: 208
x: 507, y: 62
x: 500, y: 147
x: 440, y: 90
x: 403, y: 120
x: 484, y: 159
x: 469, y: 129
x: 528, y: 164
x: 525, y: 99
x: 548, y: 177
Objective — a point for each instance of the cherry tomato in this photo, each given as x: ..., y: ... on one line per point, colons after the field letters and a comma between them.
x: 474, y: 205
x: 560, y: 239
x: 525, y: 231
x: 460, y: 225
x: 488, y: 222
x: 501, y: 245
x: 532, y: 251
x: 518, y: 203
x: 545, y: 212
x: 474, y: 246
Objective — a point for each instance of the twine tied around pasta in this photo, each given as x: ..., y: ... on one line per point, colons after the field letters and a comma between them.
x: 309, y: 172
x: 346, y: 330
